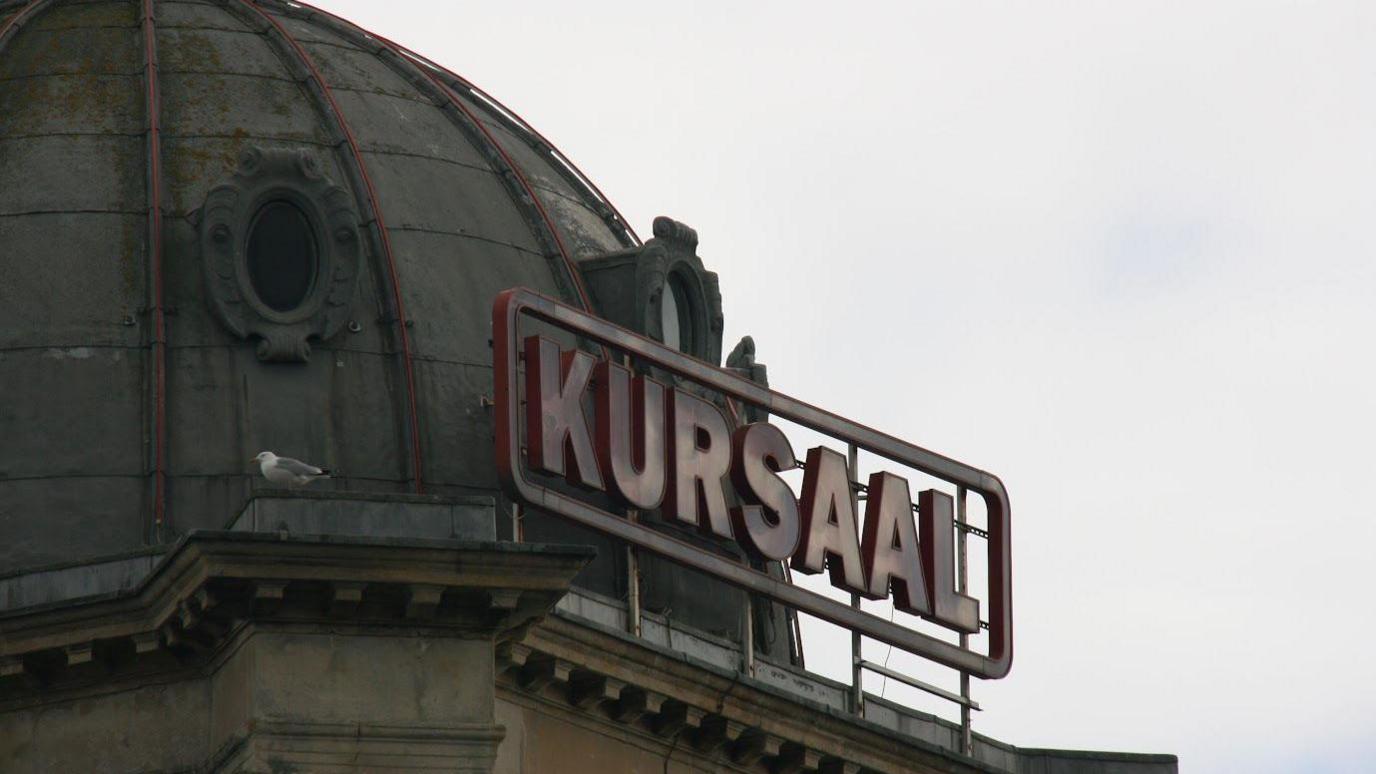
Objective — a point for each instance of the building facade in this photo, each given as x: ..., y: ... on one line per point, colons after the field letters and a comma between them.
x: 235, y: 226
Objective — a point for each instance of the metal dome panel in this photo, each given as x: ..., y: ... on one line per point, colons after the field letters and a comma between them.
x: 91, y: 388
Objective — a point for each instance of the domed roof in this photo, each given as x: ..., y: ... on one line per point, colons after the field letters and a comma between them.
x: 213, y: 220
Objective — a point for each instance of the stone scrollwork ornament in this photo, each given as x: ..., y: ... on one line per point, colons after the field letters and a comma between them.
x: 268, y: 177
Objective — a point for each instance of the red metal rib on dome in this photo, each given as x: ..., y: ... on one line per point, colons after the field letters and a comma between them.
x: 497, y: 155
x: 574, y: 276
x: 616, y: 220
x: 20, y: 18
x: 153, y: 105
x: 332, y: 107
x: 502, y: 165
x: 563, y: 164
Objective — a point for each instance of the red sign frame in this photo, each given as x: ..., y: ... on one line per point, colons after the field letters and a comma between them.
x: 511, y: 305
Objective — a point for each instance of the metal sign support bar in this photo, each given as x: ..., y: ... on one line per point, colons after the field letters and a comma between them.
x: 965, y: 703
x: 962, y: 579
x: 747, y: 638
x: 632, y: 584
x: 857, y: 672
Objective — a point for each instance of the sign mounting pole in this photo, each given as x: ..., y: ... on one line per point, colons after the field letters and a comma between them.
x: 962, y: 578
x: 857, y: 670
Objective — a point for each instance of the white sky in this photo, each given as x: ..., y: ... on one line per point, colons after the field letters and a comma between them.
x: 1112, y: 252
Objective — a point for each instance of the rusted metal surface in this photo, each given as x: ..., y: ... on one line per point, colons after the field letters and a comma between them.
x: 514, y: 305
x: 158, y: 307
x: 73, y: 295
x: 19, y: 18
x: 379, y: 223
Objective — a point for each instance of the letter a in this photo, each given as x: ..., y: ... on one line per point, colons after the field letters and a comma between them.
x: 829, y: 537
x: 889, y: 545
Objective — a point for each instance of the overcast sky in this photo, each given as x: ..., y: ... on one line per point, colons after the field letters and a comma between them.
x: 1119, y: 254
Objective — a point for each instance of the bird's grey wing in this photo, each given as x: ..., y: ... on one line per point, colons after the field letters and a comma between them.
x: 297, y: 467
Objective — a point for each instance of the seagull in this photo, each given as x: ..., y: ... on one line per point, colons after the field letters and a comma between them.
x: 285, y: 470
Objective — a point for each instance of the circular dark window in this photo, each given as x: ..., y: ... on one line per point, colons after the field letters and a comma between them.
x: 676, y: 315
x: 282, y: 260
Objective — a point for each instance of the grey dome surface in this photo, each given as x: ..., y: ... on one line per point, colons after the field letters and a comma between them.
x: 87, y: 389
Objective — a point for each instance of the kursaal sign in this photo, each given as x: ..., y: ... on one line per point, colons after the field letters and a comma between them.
x: 652, y: 445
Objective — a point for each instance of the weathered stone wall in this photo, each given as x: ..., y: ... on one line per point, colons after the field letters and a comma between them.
x: 307, y: 697
x: 538, y: 740
x: 364, y: 700
x: 273, y: 652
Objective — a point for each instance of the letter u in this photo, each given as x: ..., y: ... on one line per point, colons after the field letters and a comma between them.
x: 630, y: 435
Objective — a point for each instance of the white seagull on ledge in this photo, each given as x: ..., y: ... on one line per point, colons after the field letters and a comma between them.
x: 287, y: 471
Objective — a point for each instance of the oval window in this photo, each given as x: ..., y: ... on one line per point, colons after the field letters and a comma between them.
x: 282, y: 260
x: 676, y: 315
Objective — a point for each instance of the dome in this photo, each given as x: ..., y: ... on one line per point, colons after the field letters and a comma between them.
x: 233, y: 227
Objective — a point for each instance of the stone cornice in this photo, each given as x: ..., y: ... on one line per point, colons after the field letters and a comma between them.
x: 733, y: 719
x: 210, y: 581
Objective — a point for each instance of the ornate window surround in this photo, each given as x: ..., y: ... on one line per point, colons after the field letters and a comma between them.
x: 264, y: 176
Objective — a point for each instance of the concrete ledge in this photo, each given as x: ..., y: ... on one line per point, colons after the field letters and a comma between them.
x: 467, y: 748
x: 507, y: 581
x: 96, y: 577
x: 1043, y: 761
x: 342, y: 513
x: 357, y: 514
